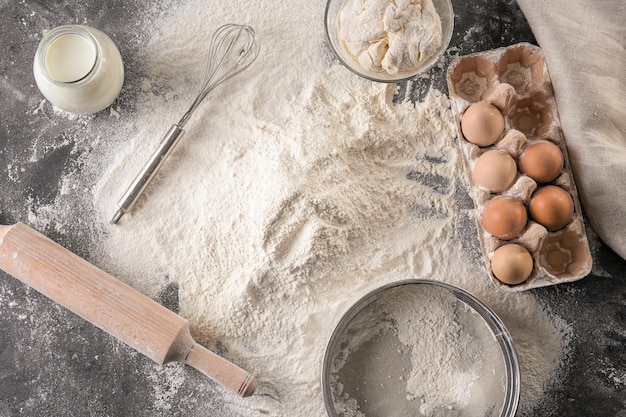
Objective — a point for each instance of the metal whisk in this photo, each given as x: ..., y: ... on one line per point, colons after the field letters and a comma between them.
x: 232, y: 49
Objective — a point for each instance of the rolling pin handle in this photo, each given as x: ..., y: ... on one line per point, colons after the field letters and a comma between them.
x: 221, y: 370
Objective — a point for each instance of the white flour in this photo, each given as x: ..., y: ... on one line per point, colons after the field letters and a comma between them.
x: 453, y: 338
x: 297, y: 188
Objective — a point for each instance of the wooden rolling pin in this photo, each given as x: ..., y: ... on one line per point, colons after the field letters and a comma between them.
x: 113, y: 306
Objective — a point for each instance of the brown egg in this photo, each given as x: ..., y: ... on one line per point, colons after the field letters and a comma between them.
x: 541, y: 161
x: 512, y: 264
x: 494, y: 170
x: 482, y: 124
x: 552, y: 207
x: 504, y: 217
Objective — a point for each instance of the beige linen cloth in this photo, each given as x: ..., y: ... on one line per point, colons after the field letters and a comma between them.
x: 584, y: 43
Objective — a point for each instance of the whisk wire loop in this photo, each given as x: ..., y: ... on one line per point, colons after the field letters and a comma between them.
x: 232, y: 49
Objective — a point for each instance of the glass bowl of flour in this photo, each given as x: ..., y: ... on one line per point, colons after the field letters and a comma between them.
x: 420, y: 348
x: 389, y: 41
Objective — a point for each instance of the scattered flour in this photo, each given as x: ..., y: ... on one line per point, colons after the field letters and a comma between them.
x: 297, y: 188
x: 166, y: 382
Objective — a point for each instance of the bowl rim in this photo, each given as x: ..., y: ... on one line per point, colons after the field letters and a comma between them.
x: 404, y: 76
x: 495, y: 324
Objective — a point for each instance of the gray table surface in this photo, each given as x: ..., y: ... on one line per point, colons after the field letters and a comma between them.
x: 54, y: 364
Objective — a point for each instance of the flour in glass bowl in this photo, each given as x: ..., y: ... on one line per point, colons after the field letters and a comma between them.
x: 297, y: 188
x: 389, y: 36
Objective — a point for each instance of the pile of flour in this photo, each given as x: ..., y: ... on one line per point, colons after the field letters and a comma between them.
x: 297, y: 188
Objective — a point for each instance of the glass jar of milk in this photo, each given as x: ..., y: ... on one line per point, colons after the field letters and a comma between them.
x: 78, y: 69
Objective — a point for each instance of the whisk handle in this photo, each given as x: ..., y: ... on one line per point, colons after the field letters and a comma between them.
x: 149, y: 170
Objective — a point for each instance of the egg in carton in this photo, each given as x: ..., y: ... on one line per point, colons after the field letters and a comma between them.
x: 530, y: 221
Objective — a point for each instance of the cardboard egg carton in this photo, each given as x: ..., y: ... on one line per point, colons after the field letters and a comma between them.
x: 515, y: 79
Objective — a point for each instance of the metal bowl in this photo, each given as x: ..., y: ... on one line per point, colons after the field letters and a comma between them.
x: 357, y: 347
x: 333, y: 7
